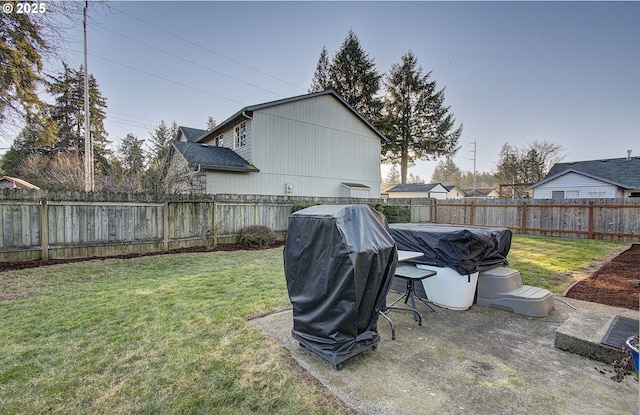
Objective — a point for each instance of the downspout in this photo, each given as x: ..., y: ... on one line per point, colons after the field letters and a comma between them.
x: 244, y: 114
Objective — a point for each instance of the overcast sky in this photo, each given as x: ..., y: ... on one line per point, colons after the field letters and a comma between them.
x: 514, y: 72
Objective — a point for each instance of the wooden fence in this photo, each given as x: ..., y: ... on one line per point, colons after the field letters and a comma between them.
x: 605, y: 219
x: 45, y: 225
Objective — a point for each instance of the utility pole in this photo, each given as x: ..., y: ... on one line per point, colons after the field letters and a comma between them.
x: 88, y: 147
x: 474, y: 165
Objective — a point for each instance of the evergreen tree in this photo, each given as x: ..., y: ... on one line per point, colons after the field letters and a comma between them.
x: 21, y: 48
x: 161, y: 137
x: 416, y: 121
x: 446, y: 172
x: 23, y: 145
x: 321, y: 79
x: 161, y: 140
x: 132, y: 155
x: 68, y: 113
x: 393, y: 177
x: 211, y: 123
x: 354, y: 76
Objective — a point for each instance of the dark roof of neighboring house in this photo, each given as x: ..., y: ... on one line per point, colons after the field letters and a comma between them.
x: 246, y: 113
x: 18, y: 183
x: 213, y: 158
x: 478, y: 192
x: 414, y: 187
x: 622, y: 172
x: 191, y: 134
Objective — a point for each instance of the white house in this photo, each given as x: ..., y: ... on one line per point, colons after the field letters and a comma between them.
x: 454, y: 192
x: 417, y: 190
x: 607, y: 178
x: 309, y: 145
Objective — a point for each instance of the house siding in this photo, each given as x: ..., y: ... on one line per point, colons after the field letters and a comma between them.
x: 313, y: 145
x: 586, y: 186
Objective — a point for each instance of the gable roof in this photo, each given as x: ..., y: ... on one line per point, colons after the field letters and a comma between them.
x: 18, y: 183
x: 212, y: 157
x: 191, y: 134
x: 414, y: 187
x: 246, y: 113
x: 478, y: 192
x: 622, y: 172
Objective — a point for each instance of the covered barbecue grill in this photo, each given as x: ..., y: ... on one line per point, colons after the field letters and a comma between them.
x: 339, y: 261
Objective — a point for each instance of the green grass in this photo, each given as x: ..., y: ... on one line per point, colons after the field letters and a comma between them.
x: 170, y: 334
x: 162, y: 334
x: 555, y: 263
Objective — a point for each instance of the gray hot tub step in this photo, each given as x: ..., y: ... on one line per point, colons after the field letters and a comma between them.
x: 502, y: 287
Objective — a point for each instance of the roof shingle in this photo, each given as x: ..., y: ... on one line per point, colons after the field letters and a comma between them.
x: 213, y: 158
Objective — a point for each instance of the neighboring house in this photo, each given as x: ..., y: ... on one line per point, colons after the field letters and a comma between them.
x: 309, y: 145
x: 7, y: 182
x: 608, y: 178
x: 189, y: 134
x: 417, y: 190
x: 487, y: 193
x: 454, y: 192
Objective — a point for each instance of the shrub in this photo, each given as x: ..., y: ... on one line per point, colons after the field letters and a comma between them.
x: 394, y: 213
x: 300, y: 206
x: 256, y: 236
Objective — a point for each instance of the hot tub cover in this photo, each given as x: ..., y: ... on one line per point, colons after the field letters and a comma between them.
x: 467, y: 249
x: 339, y: 261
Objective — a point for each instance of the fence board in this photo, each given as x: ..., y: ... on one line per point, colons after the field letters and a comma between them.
x: 88, y: 224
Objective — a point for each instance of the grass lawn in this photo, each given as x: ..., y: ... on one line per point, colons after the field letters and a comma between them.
x: 170, y: 334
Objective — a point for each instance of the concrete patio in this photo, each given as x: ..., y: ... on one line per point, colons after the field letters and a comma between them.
x: 478, y: 361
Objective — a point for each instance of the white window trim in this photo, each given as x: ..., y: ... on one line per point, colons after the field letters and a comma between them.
x: 240, y: 135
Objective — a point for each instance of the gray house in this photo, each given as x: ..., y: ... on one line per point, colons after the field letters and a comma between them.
x: 607, y: 178
x: 310, y: 145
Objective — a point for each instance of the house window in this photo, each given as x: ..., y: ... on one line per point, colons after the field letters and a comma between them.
x: 220, y: 140
x: 240, y: 135
x: 565, y: 194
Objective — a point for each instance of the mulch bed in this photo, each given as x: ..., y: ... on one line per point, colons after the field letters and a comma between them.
x: 616, y: 283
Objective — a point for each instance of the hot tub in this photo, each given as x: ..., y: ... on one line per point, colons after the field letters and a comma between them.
x: 457, y: 253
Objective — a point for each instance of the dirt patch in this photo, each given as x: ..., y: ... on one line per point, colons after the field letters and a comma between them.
x: 616, y: 283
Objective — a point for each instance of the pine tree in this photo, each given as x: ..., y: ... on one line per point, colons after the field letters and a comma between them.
x: 415, y: 119
x: 354, y: 76
x: 446, y: 172
x: 68, y: 113
x: 321, y: 79
x: 160, y: 141
x: 21, y: 48
x: 23, y: 145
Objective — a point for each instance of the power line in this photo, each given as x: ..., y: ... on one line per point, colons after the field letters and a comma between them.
x: 133, y: 116
x: 207, y: 49
x: 167, y: 79
x: 190, y: 61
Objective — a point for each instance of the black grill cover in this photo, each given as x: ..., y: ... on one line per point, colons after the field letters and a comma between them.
x: 467, y: 249
x: 339, y: 261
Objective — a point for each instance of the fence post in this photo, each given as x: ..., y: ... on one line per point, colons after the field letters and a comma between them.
x: 44, y: 228
x: 472, y: 218
x: 524, y: 218
x: 165, y: 226
x: 591, y: 219
x: 434, y: 210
